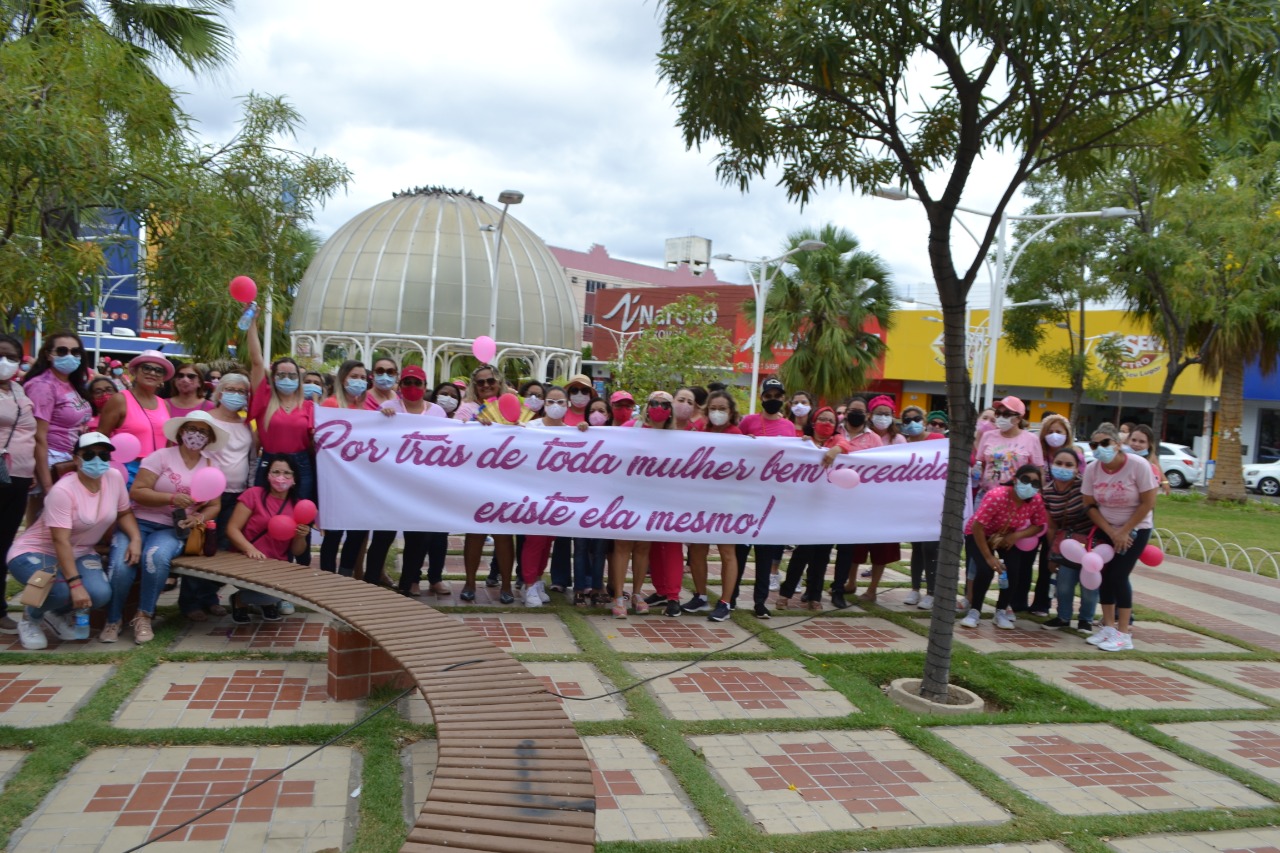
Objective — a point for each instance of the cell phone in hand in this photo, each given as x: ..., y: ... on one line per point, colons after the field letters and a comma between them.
x: 179, y: 517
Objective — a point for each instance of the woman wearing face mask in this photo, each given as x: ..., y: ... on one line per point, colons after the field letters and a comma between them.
x: 532, y: 396
x: 1120, y: 495
x: 684, y: 410
x: 880, y: 554
x: 882, y: 422
x: 1064, y: 504
x: 382, y: 393
x: 656, y: 415
x: 118, y: 375
x: 581, y: 392
x: 936, y: 424
x: 924, y: 555
x: 1006, y: 514
x: 622, y: 407
x: 419, y: 545
x: 590, y: 556
x: 57, y: 386
x: 17, y: 449
x: 140, y: 411
x: 212, y: 376
x: 860, y: 436
x: 314, y: 387
x: 248, y: 532
x: 284, y: 419
x: 800, y: 409
x: 78, y: 512
x: 101, y: 390
x: 188, y: 391
x: 351, y: 387
x: 1003, y: 450
x: 340, y: 550
x: 535, y: 550
x: 447, y: 396
x: 1055, y: 435
x: 721, y: 419
x: 810, y: 561
x: 198, y: 598
x: 1141, y: 440
x: 165, y: 511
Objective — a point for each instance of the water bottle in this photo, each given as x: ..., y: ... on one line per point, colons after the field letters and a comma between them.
x: 1004, y: 580
x: 247, y: 317
x: 82, y: 623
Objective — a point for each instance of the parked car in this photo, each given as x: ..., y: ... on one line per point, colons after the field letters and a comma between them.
x: 1264, y: 478
x: 1180, y: 466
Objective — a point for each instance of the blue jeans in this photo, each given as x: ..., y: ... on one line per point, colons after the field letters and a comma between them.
x: 160, y: 544
x: 1068, y: 578
x: 588, y: 564
x: 88, y: 567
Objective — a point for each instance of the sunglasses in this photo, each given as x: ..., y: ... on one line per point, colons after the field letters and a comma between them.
x: 490, y: 381
x: 104, y: 455
x: 67, y: 351
x: 1028, y: 480
x: 936, y: 425
x: 1005, y: 413
x: 411, y: 383
x: 188, y: 376
x: 151, y: 369
x: 659, y: 404
x: 384, y: 371
x: 1094, y: 445
x: 914, y: 420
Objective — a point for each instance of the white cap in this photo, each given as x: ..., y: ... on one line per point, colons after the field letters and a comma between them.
x: 89, y: 439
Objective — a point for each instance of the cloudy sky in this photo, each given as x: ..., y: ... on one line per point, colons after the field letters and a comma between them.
x: 557, y: 98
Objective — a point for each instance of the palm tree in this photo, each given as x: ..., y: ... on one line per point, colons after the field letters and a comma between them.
x: 826, y: 306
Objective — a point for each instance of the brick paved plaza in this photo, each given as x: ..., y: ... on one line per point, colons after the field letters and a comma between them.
x: 782, y: 736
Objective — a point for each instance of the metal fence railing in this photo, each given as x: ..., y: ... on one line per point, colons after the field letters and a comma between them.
x: 1206, y: 549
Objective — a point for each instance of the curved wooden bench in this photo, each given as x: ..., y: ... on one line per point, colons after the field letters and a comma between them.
x: 512, y: 775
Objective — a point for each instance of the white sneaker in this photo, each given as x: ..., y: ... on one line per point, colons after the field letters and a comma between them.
x: 775, y: 581
x: 1100, y: 637
x: 926, y: 602
x: 285, y: 608
x: 31, y: 635
x: 913, y: 597
x: 1118, y: 643
x: 1004, y: 620
x: 971, y: 620
x: 58, y: 624
x: 531, y: 597
x: 542, y: 592
x: 962, y: 603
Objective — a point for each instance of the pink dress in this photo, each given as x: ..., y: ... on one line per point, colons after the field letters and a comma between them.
x: 146, y: 425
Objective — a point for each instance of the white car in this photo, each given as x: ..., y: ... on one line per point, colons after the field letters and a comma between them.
x: 1180, y: 466
x: 1264, y: 478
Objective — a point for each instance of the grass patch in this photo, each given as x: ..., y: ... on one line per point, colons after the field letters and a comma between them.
x: 1249, y: 525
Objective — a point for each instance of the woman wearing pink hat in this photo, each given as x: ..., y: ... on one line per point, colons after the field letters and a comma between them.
x: 880, y: 554
x: 140, y: 411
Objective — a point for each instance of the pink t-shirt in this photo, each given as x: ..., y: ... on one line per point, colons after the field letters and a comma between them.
x: 431, y: 410
x: 172, y: 477
x: 572, y: 418
x: 1000, y: 512
x: 60, y: 406
x: 1119, y: 494
x: 177, y: 411
x: 864, y: 440
x: 70, y: 506
x: 1001, y: 457
x: 18, y: 428
x: 758, y: 425
x: 288, y: 432
x: 728, y: 429
x: 262, y: 508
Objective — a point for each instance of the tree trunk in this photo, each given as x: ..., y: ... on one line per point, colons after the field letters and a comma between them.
x: 1228, y: 476
x: 1176, y: 366
x: 937, y: 665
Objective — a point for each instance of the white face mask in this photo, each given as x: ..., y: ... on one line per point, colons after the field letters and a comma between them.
x: 1055, y: 439
x: 801, y: 409
x: 882, y: 421
x: 556, y: 409
x: 1003, y: 424
x: 532, y: 403
x: 718, y: 417
x: 683, y: 411
x: 579, y: 400
x: 446, y: 402
x: 8, y: 369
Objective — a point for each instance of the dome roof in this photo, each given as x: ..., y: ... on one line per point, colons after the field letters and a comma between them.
x: 419, y: 266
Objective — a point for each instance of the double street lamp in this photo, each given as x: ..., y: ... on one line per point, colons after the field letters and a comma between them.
x: 1005, y: 264
x: 760, y: 285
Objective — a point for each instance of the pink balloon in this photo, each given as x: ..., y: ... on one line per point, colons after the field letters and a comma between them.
x: 1090, y: 580
x: 127, y: 447
x: 1072, y: 550
x: 1106, y: 552
x: 281, y: 527
x: 1151, y: 555
x: 1028, y: 543
x: 243, y: 289
x: 117, y: 465
x: 207, y: 484
x: 484, y: 348
x: 845, y: 478
x: 1091, y: 562
x: 509, y: 406
x: 305, y: 512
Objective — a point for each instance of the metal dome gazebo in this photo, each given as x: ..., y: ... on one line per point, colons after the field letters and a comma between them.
x: 415, y: 274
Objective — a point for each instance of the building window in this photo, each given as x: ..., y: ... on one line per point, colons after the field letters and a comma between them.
x: 593, y: 286
x: 588, y: 319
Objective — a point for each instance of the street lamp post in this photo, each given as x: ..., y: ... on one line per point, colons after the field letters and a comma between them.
x: 1005, y: 264
x: 508, y: 198
x: 761, y: 290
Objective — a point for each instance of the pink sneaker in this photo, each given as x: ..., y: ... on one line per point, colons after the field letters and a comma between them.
x: 619, y: 608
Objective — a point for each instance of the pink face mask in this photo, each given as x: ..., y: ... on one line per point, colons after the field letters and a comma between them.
x: 659, y: 415
x: 683, y: 410
x: 598, y: 418
x: 280, y: 482
x: 985, y: 426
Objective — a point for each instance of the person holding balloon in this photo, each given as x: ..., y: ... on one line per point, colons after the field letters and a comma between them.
x: 177, y: 488
x: 1007, y: 516
x: 269, y: 524
x: 1069, y: 524
x: 488, y: 402
x: 1120, y: 495
x: 139, y: 412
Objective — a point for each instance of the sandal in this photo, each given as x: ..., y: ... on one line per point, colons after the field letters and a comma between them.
x: 468, y: 594
x: 196, y: 616
x: 782, y: 603
x: 582, y: 598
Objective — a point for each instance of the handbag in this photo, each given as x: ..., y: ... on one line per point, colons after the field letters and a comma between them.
x: 37, y: 588
x: 1055, y: 548
x: 196, y: 537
